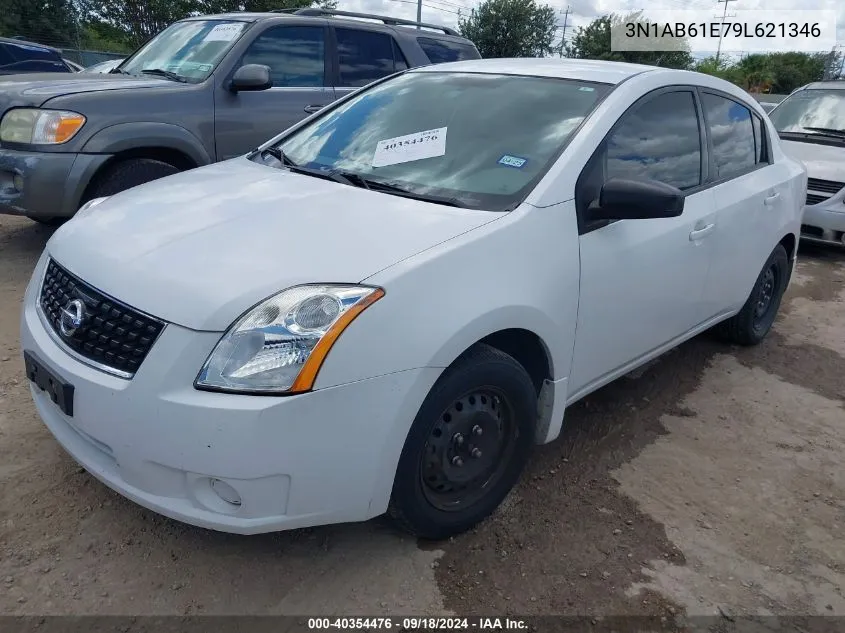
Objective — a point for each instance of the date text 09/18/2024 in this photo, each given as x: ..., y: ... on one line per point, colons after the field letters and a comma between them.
x: 418, y: 623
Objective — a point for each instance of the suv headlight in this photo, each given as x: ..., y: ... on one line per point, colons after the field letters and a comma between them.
x: 278, y: 346
x: 34, y: 126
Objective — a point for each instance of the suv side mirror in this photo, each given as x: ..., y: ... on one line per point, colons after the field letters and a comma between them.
x: 251, y: 78
x: 636, y: 200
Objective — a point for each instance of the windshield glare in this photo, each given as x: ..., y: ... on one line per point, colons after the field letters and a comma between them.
x: 189, y: 49
x: 811, y: 108
x: 481, y: 139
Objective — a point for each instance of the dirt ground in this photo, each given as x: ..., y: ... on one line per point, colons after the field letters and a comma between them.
x: 711, y: 481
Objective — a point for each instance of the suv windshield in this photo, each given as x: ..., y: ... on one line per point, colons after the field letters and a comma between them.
x: 189, y: 51
x: 476, y: 140
x: 812, y: 111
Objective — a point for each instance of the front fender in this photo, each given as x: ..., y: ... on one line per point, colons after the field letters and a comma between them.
x: 129, y: 136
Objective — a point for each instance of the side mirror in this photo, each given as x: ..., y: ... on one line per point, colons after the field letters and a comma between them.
x: 636, y: 200
x: 251, y: 78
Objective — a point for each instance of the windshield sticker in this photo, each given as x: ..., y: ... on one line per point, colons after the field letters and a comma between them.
x: 404, y: 149
x: 586, y: 89
x: 512, y: 161
x: 224, y: 32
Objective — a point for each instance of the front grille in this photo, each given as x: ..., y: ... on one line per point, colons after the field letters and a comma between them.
x: 815, y: 199
x: 824, y: 186
x: 111, y: 333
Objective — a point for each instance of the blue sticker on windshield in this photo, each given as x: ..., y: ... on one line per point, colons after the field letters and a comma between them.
x: 513, y: 161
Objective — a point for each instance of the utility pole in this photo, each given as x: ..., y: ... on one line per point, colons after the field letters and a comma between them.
x: 722, y: 27
x: 565, y: 24
x: 419, y: 12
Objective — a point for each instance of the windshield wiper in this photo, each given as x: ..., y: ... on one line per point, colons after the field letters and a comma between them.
x: 398, y: 190
x: 280, y: 156
x: 827, y: 130
x: 164, y: 73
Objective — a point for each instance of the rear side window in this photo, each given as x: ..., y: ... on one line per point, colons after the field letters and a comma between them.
x: 441, y: 51
x: 761, y: 145
x: 657, y: 140
x: 364, y: 56
x: 732, y: 134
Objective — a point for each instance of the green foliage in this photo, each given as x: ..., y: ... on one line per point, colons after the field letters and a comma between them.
x: 593, y: 42
x: 511, y: 28
x: 778, y: 73
x: 52, y: 22
x: 132, y: 22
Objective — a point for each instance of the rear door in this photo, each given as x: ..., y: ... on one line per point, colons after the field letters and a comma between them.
x: 750, y: 193
x: 363, y: 56
x: 298, y: 57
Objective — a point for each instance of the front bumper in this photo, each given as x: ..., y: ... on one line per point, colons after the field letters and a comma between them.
x: 45, y: 184
x: 324, y: 457
x: 825, y: 221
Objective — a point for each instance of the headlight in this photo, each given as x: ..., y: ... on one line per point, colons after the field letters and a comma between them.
x: 86, y: 208
x: 39, y: 127
x: 279, y: 345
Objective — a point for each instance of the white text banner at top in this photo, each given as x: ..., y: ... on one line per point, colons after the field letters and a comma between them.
x: 741, y: 31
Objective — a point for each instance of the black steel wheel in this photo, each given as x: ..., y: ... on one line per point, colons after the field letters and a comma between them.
x: 467, y: 446
x: 753, y: 322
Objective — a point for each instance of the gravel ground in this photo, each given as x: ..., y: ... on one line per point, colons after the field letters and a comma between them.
x: 709, y: 482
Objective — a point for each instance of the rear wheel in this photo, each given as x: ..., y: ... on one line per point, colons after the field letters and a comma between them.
x: 467, y: 446
x: 130, y: 173
x: 751, y: 324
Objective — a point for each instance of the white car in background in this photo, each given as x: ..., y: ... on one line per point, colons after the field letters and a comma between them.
x: 385, y: 307
x: 104, y: 67
x: 811, y: 125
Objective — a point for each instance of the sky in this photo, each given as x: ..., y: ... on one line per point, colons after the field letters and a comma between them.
x: 582, y: 12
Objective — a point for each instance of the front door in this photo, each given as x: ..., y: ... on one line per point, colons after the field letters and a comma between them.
x: 296, y: 56
x: 642, y: 280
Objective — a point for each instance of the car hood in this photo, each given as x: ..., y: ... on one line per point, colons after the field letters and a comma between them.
x: 826, y: 162
x: 33, y: 90
x: 199, y: 248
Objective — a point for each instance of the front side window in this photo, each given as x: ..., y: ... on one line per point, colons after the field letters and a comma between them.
x: 363, y: 56
x: 189, y: 51
x: 461, y: 136
x: 732, y: 135
x: 811, y: 111
x: 441, y: 51
x: 657, y: 140
x: 295, y: 55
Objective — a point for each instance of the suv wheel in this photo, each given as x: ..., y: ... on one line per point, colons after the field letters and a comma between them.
x: 130, y: 173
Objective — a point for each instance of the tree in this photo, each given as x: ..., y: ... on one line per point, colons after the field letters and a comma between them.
x: 778, y: 73
x: 593, y: 42
x: 52, y: 22
x: 135, y: 21
x: 511, y: 28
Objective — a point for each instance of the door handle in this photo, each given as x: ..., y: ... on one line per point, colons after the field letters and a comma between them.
x: 311, y: 109
x: 770, y: 200
x: 701, y: 233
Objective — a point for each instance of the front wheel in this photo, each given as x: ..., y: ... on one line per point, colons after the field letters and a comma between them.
x: 751, y: 324
x: 467, y: 446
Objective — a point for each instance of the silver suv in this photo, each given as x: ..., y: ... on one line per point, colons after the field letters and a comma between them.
x: 205, y: 89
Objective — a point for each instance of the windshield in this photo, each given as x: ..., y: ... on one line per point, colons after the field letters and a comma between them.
x: 810, y: 111
x: 190, y: 50
x: 478, y: 140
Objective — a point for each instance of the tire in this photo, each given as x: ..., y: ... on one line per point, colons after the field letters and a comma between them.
x: 434, y: 496
x: 52, y: 222
x: 753, y: 322
x: 130, y: 173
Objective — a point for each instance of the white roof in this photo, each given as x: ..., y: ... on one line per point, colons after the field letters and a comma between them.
x: 563, y: 68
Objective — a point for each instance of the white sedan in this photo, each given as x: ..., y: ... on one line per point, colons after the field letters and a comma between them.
x: 385, y: 307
